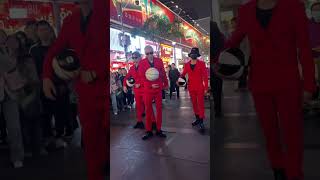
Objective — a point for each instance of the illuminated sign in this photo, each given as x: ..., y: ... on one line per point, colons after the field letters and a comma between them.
x: 166, y: 52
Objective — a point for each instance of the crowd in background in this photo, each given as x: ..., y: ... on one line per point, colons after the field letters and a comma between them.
x: 30, y: 123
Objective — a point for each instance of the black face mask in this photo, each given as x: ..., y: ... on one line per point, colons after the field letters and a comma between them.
x: 193, y: 56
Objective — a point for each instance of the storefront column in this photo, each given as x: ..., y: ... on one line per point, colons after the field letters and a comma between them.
x: 56, y: 14
x: 215, y: 12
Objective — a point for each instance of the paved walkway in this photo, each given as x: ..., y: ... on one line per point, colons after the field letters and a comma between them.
x: 184, y: 154
x: 239, y: 152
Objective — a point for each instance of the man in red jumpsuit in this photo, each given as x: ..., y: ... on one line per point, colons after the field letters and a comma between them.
x: 138, y: 90
x: 153, y: 90
x: 86, y: 32
x: 198, y: 85
x: 276, y: 29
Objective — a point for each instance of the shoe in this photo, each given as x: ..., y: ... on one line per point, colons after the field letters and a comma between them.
x: 201, y: 126
x: 115, y: 113
x: 18, y: 164
x: 154, y: 126
x: 160, y: 134
x: 279, y: 174
x: 148, y: 135
x: 196, y: 122
x: 139, y: 125
x: 60, y: 143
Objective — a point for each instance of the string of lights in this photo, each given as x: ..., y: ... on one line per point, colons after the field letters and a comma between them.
x: 173, y: 6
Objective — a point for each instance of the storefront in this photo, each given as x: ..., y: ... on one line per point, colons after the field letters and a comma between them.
x: 166, y: 54
x: 135, y: 15
x: 15, y: 14
x: 135, y: 44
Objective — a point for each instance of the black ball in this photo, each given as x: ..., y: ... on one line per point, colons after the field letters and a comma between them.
x: 66, y: 65
x: 130, y: 82
x: 68, y: 60
x: 231, y: 63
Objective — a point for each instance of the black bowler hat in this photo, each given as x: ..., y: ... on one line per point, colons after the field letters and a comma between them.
x: 194, y: 50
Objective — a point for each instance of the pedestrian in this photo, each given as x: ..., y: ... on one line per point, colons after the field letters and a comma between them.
x: 138, y: 88
x: 153, y: 90
x: 174, y: 75
x: 198, y: 85
x: 279, y: 39
x: 85, y: 32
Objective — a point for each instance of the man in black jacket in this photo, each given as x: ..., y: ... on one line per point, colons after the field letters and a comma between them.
x: 174, y: 75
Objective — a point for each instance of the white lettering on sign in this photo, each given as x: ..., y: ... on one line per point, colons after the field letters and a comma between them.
x: 18, y: 13
x: 33, y: 9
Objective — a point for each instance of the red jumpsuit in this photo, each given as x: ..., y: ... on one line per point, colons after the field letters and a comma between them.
x: 91, y: 48
x: 274, y: 78
x: 138, y: 92
x: 150, y: 93
x: 197, y: 85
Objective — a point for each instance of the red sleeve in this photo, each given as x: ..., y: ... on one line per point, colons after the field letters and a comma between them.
x: 60, y: 44
x: 205, y: 76
x: 239, y: 33
x: 100, y: 16
x: 305, y: 53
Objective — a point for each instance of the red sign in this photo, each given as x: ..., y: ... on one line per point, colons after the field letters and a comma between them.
x: 133, y: 15
x: 35, y: 10
x: 28, y: 11
x: 4, y: 9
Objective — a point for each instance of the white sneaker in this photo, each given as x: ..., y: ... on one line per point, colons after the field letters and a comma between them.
x: 18, y: 164
x: 115, y: 113
x: 60, y: 143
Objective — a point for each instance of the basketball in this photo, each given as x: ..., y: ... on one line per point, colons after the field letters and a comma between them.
x: 66, y: 65
x: 231, y: 64
x: 152, y: 74
x: 130, y: 82
x: 181, y: 82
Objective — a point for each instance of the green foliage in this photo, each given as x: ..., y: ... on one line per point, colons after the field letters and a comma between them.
x: 157, y: 27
